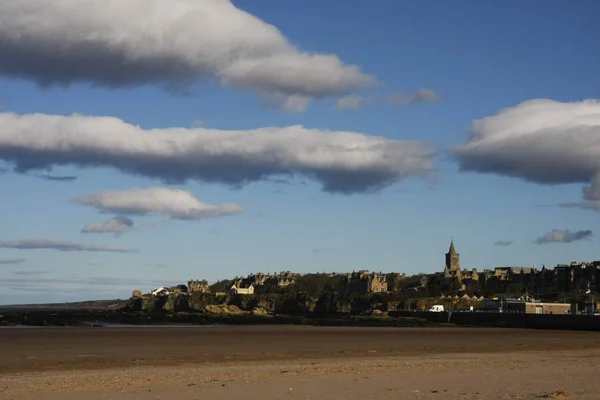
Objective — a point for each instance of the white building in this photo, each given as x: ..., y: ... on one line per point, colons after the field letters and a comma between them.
x: 242, y: 290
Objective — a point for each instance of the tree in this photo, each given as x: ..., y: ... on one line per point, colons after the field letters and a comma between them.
x: 221, y: 286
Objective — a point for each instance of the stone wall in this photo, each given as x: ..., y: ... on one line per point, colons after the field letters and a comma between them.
x: 531, y: 321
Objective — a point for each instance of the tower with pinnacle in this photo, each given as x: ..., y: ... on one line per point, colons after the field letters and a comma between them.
x: 452, y: 268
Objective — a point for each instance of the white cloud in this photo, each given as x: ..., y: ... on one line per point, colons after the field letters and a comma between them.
x: 118, y: 224
x: 133, y: 42
x: 343, y: 162
x: 354, y: 101
x: 592, y: 191
x: 177, y: 204
x: 542, y: 141
x: 60, y: 245
x: 563, y: 236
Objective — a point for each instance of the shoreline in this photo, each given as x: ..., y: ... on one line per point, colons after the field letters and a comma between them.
x: 44, y: 349
x: 104, y: 318
x: 516, y: 375
x: 297, y: 363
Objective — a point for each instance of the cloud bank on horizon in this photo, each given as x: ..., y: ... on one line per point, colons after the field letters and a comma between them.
x: 171, y: 42
x: 177, y: 204
x: 563, y: 236
x: 60, y: 245
x: 343, y: 162
x: 524, y: 140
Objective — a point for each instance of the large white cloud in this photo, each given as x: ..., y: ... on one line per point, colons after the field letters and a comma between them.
x: 343, y: 162
x: 177, y: 204
x: 122, y: 43
x: 542, y: 141
x: 60, y: 245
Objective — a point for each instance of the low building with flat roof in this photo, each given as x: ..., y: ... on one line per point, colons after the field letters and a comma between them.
x: 547, y: 308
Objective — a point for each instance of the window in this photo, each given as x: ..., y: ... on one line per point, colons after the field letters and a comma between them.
x: 538, y: 309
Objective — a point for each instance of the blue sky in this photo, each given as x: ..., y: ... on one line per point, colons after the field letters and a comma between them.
x: 478, y: 57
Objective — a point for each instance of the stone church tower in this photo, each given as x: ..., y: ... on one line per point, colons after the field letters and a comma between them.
x: 452, y: 269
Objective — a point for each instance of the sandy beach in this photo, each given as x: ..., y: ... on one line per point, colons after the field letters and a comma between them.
x: 297, y: 362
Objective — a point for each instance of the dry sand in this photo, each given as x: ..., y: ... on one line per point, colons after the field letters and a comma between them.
x: 297, y: 363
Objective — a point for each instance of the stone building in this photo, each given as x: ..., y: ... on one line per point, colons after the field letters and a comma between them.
x: 284, y: 279
x: 268, y: 281
x: 242, y: 286
x: 580, y: 277
x: 198, y: 286
x: 365, y: 282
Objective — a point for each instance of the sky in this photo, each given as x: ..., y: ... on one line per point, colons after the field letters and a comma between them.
x: 149, y: 142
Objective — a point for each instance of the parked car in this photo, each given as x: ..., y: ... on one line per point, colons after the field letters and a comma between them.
x: 436, y: 308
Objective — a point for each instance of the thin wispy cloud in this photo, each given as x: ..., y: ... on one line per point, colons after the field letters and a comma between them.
x: 564, y: 236
x: 46, y: 177
x: 11, y: 261
x: 169, y: 42
x: 320, y: 250
x: 27, y: 273
x: 95, y: 264
x: 157, y: 265
x: 342, y: 162
x: 197, y: 124
x: 57, y: 178
x: 174, y: 203
x: 59, y: 245
x: 354, y: 101
x: 88, y: 284
x: 291, y: 104
x: 503, y: 243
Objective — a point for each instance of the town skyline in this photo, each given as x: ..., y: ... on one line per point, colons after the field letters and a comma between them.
x: 446, y: 271
x: 142, y: 144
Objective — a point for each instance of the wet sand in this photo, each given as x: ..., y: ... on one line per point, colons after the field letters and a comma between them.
x: 297, y: 362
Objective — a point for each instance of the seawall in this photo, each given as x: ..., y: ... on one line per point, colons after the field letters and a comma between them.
x: 529, y: 321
